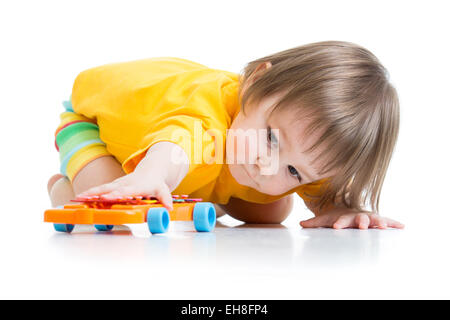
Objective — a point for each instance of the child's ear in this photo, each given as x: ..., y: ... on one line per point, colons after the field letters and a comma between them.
x: 258, y: 72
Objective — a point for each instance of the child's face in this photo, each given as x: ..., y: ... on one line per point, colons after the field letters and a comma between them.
x: 275, y: 161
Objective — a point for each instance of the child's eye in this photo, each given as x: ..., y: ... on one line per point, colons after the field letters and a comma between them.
x: 271, y: 139
x: 294, y: 173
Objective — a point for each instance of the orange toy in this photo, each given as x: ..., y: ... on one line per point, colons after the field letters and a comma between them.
x: 104, y: 214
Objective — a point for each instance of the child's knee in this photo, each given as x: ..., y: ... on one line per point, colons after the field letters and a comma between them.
x: 53, y: 180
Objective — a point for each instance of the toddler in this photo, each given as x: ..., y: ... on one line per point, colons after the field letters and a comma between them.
x: 320, y: 120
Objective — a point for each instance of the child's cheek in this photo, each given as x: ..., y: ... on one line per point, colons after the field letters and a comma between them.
x: 251, y: 150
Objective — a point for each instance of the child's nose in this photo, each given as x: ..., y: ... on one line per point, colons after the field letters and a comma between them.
x: 263, y: 161
x: 264, y: 165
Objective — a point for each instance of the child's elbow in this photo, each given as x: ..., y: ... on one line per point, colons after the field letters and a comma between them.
x: 268, y: 213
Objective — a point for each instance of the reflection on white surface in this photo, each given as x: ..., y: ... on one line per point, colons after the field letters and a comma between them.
x: 236, y: 261
x: 264, y: 246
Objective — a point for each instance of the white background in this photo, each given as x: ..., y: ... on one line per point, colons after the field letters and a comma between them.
x: 45, y: 44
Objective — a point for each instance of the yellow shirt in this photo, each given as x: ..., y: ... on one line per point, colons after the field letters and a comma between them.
x: 139, y: 103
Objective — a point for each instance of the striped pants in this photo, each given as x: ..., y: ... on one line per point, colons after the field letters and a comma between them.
x: 78, y: 141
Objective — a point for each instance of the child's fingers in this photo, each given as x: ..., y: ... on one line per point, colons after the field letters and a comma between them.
x: 383, y: 223
x: 165, y: 197
x: 345, y: 221
x: 359, y: 220
x: 394, y: 224
x: 377, y: 222
x: 99, y: 190
x: 120, y: 192
x: 362, y: 221
x: 316, y: 222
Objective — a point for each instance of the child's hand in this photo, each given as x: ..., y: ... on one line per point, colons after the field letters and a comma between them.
x: 153, y: 176
x: 134, y: 184
x: 350, y: 219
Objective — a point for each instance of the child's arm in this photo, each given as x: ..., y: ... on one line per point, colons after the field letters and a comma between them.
x: 339, y: 217
x: 156, y: 175
x: 274, y: 212
x: 97, y: 172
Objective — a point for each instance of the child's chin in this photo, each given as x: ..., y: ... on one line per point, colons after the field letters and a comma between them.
x: 239, y: 175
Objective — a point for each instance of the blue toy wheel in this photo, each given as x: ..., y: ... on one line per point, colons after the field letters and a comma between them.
x: 104, y: 227
x: 204, y: 216
x: 158, y: 220
x: 62, y: 227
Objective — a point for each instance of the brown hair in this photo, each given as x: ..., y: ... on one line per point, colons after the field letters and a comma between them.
x: 345, y: 91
